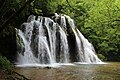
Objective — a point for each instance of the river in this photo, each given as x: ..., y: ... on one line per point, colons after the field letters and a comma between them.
x: 109, y: 71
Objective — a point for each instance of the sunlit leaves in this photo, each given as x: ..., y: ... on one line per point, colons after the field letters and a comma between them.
x: 101, y: 25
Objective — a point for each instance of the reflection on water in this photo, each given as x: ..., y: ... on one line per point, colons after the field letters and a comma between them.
x: 110, y: 71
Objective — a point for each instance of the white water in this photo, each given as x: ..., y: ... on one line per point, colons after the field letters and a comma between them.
x: 26, y: 57
x: 79, y: 49
x: 46, y: 43
x: 89, y: 51
x: 64, y: 50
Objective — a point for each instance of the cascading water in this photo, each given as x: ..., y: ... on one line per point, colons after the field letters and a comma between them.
x: 64, y: 50
x: 42, y: 40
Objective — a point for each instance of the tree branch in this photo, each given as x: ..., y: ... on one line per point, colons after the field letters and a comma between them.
x: 69, y: 4
x: 74, y: 8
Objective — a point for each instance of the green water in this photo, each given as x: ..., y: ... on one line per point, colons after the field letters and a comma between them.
x: 110, y: 71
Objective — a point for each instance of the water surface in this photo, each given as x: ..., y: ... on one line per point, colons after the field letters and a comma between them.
x: 110, y: 71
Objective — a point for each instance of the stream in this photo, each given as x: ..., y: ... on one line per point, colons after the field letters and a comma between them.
x: 109, y: 71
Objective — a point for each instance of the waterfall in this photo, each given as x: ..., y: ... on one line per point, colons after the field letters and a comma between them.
x: 43, y: 40
x: 64, y: 50
x: 79, y: 49
x: 26, y: 56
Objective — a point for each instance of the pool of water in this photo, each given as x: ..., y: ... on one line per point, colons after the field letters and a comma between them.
x: 110, y: 71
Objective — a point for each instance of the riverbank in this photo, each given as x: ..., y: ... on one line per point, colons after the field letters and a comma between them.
x: 110, y: 71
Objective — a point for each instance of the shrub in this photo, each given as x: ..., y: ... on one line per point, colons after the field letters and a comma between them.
x: 5, y: 64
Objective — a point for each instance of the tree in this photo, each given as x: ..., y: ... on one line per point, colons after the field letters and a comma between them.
x: 102, y: 26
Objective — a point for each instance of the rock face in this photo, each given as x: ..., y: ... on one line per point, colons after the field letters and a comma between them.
x: 43, y: 40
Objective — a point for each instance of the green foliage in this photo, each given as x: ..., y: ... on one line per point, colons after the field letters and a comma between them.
x: 5, y: 64
x: 100, y: 23
x: 102, y: 57
x: 45, y: 7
